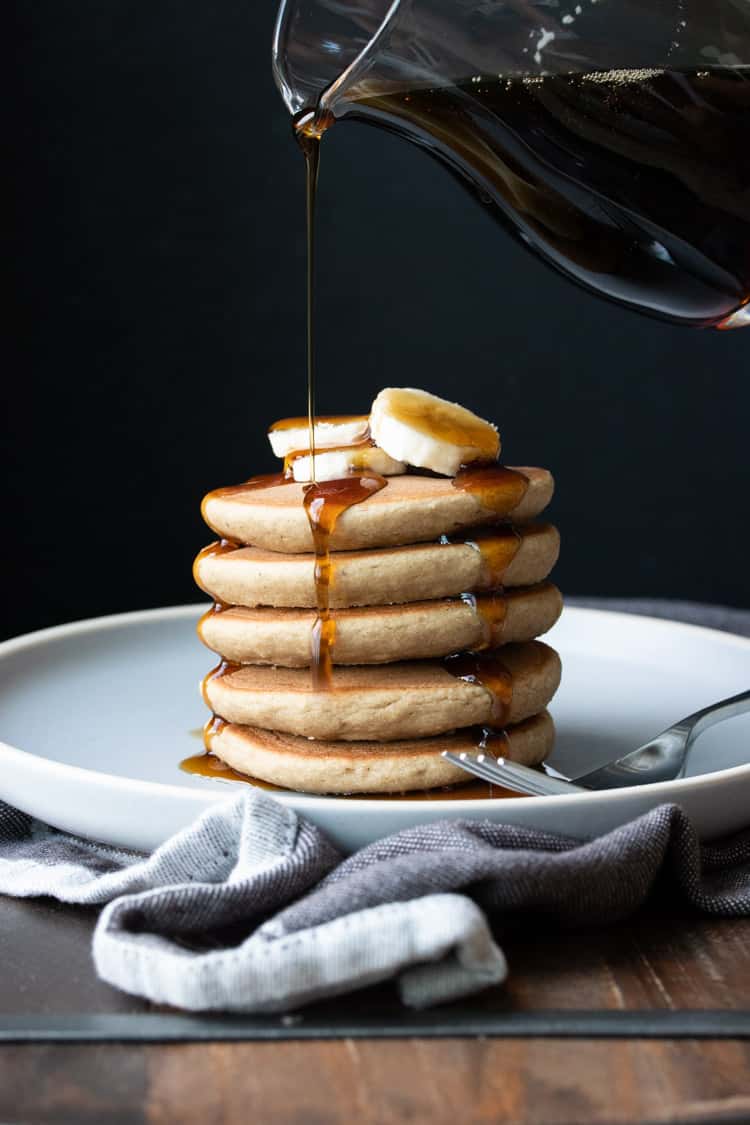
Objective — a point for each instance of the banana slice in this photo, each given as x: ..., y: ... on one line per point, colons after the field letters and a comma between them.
x: 333, y: 464
x: 429, y: 432
x: 290, y: 434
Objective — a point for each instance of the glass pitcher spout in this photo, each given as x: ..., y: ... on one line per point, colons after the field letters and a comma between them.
x: 608, y: 136
x: 320, y: 50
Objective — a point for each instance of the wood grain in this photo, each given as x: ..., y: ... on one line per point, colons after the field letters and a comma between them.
x: 658, y: 960
x: 652, y: 961
x: 534, y: 1082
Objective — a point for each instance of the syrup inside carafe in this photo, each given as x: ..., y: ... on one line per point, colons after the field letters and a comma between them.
x: 633, y: 183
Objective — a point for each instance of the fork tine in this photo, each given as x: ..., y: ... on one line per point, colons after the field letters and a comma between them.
x: 543, y: 783
x: 512, y: 775
x: 534, y: 787
x: 470, y: 763
x: 481, y: 765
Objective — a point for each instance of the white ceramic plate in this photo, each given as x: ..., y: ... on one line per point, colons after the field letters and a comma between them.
x: 95, y: 717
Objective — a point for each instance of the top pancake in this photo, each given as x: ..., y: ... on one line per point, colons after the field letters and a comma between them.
x: 410, y: 509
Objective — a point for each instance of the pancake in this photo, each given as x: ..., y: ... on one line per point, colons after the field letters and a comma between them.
x: 410, y: 509
x: 376, y: 635
x: 367, y: 767
x: 382, y: 702
x: 250, y: 576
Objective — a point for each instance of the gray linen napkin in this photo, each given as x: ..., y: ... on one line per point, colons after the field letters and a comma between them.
x: 412, y: 906
x: 251, y: 908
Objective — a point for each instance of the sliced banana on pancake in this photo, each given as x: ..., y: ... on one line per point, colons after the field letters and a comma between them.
x: 289, y: 434
x: 429, y: 432
x: 334, y: 464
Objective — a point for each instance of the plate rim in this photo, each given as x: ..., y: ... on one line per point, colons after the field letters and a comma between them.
x: 313, y: 802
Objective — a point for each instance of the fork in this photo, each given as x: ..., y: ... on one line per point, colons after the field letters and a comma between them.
x: 662, y: 759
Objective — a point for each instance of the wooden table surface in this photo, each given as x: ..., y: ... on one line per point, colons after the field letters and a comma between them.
x: 655, y: 961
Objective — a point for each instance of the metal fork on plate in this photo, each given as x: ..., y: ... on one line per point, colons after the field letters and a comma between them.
x: 662, y: 759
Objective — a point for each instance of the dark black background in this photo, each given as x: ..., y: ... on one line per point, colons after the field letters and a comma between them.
x: 158, y: 258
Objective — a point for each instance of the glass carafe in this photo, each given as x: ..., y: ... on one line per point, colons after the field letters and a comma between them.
x: 611, y: 136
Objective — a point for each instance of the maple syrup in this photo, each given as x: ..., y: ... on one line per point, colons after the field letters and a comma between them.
x: 215, y: 725
x: 490, y: 611
x: 633, y: 183
x: 208, y: 765
x: 214, y: 609
x: 495, y: 487
x: 309, y: 128
x: 265, y: 480
x: 218, y: 547
x: 491, y: 741
x: 358, y: 452
x: 324, y: 503
x: 497, y: 547
x: 223, y: 668
x: 488, y: 670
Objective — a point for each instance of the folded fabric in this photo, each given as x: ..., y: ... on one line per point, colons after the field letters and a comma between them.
x: 305, y: 924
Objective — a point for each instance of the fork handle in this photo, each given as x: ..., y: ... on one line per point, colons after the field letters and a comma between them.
x: 716, y: 713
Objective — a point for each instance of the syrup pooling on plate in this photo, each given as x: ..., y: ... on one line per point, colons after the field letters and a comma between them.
x: 495, y: 487
x: 208, y: 765
x: 488, y: 670
x: 324, y: 503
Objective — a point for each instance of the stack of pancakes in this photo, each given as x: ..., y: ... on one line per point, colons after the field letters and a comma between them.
x: 421, y: 571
